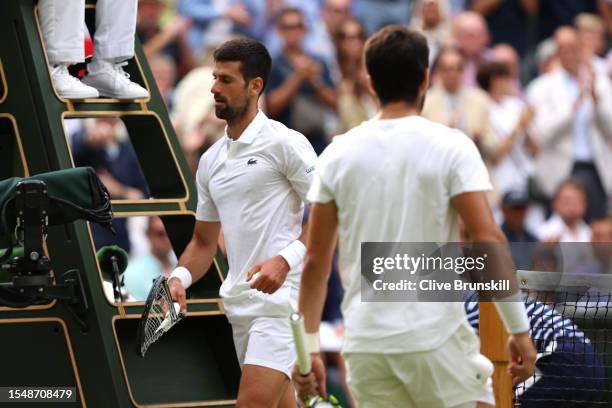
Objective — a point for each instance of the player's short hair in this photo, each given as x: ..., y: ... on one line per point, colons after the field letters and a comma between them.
x: 490, y: 70
x: 254, y: 58
x: 397, y: 59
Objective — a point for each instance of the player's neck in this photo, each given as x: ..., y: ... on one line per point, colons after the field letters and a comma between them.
x: 236, y: 126
x: 398, y: 109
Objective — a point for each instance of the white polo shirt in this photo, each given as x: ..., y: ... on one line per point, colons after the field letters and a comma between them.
x: 392, y: 181
x: 255, y: 186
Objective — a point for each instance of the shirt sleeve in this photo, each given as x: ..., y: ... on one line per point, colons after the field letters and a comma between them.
x: 467, y: 172
x: 300, y: 160
x: 206, y: 210
x: 321, y: 189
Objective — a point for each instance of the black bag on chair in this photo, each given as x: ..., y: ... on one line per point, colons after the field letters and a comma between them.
x: 73, y: 194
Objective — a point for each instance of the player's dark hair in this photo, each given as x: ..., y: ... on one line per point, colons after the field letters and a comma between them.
x: 254, y: 58
x: 397, y: 59
x: 490, y: 70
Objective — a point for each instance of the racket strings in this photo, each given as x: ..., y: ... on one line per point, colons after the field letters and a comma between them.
x: 156, y: 324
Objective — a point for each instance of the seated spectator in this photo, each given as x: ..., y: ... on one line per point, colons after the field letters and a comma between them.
x: 457, y: 106
x: 510, y: 119
x: 142, y: 271
x: 514, y: 208
x: 508, y: 21
x: 355, y: 103
x: 300, y: 88
x: 62, y: 23
x: 568, y: 366
x: 170, y: 40
x: 471, y: 36
x: 573, y: 121
x: 104, y: 145
x: 566, y: 223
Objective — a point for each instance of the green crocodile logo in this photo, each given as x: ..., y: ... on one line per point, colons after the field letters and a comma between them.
x: 251, y: 162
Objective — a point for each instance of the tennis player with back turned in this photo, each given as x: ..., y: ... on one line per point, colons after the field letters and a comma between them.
x: 402, y: 178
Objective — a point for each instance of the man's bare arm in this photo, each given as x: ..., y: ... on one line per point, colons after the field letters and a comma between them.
x: 321, y: 242
x: 197, y: 257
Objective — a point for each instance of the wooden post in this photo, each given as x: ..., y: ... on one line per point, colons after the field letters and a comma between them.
x: 493, y: 340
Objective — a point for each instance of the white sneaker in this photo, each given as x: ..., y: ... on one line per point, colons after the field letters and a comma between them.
x: 70, y: 87
x: 112, y: 81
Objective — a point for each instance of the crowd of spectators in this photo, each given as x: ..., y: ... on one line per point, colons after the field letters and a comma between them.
x: 528, y: 80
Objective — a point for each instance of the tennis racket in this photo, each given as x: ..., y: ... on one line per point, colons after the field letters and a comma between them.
x: 297, y: 327
x: 158, y: 317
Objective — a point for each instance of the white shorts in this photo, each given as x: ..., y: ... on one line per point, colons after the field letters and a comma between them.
x: 264, y: 341
x: 451, y: 375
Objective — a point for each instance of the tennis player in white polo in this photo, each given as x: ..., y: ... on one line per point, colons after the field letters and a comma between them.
x: 253, y: 182
x: 402, y: 178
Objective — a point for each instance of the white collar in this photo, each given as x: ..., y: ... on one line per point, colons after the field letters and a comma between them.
x: 252, y: 130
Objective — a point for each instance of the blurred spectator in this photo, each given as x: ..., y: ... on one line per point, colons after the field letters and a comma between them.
x: 556, y: 13
x: 601, y: 241
x: 471, y: 35
x: 514, y: 208
x: 171, y: 40
x: 300, y: 89
x: 355, y: 103
x: 506, y: 54
x: 592, y: 41
x: 566, y: 223
x: 376, y: 14
x: 194, y: 118
x: 573, y: 121
x: 105, y: 146
x: 508, y: 20
x: 62, y: 25
x: 458, y: 106
x: 211, y: 19
x: 164, y: 73
x: 510, y: 119
x: 142, y: 271
x: 546, y: 56
x: 431, y: 20
x: 320, y: 41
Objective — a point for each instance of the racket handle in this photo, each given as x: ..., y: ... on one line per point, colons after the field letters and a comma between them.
x: 297, y: 327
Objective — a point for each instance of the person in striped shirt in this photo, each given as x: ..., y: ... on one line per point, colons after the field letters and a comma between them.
x: 569, y: 370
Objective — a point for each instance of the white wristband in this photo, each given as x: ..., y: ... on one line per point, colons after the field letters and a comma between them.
x: 182, y: 274
x: 294, y: 253
x: 311, y: 342
x: 513, y: 313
